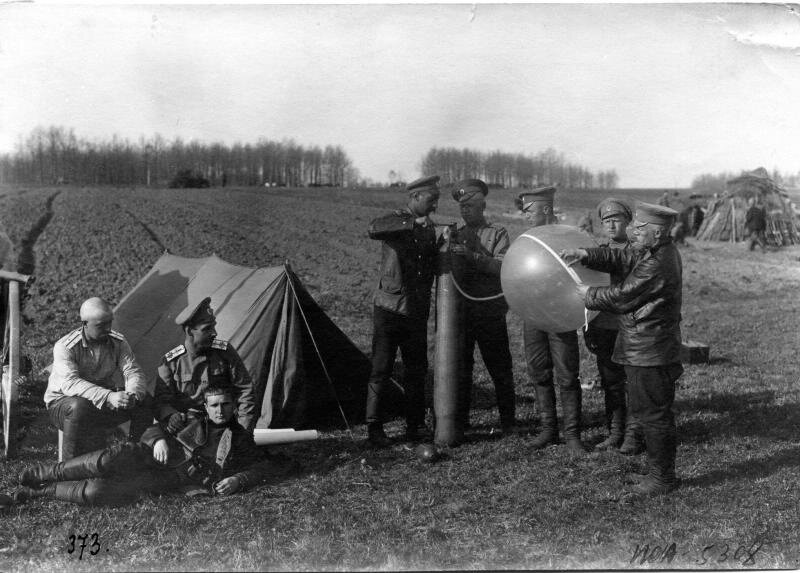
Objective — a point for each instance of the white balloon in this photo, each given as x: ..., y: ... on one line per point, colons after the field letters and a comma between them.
x: 539, y: 286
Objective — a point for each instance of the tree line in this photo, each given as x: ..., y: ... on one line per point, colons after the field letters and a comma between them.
x: 514, y: 169
x: 56, y: 155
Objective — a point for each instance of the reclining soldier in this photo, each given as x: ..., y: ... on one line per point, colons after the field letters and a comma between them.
x: 212, y: 452
x: 202, y: 360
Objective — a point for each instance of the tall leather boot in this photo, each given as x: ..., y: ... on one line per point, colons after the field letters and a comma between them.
x: 633, y: 442
x: 546, y: 400
x: 81, y: 467
x: 23, y: 494
x: 661, y: 449
x: 615, y: 415
x: 571, y: 408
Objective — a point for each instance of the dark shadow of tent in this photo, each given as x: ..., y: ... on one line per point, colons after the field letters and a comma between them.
x: 306, y: 371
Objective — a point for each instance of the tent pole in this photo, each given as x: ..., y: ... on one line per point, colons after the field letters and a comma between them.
x: 316, y: 349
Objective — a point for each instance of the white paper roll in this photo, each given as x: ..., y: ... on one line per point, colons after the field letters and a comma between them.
x: 267, y: 437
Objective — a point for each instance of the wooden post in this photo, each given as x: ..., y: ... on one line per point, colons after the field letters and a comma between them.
x: 733, y: 221
x: 10, y: 390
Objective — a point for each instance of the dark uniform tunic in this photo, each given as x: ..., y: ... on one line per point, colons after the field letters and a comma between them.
x: 182, y: 378
x: 401, y: 307
x: 485, y: 321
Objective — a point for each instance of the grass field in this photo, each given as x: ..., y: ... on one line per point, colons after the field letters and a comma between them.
x: 489, y: 504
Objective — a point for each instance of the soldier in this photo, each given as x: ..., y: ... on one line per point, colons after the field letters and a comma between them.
x: 481, y: 246
x: 202, y: 360
x: 402, y: 305
x: 95, y: 383
x: 212, y: 455
x: 648, y: 301
x: 755, y: 222
x: 601, y: 335
x: 552, y: 355
x: 585, y: 223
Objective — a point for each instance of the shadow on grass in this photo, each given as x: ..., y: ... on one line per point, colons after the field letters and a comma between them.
x: 750, y: 469
x: 753, y: 414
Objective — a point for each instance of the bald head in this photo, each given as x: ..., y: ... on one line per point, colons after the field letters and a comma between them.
x: 97, y: 316
x: 96, y: 308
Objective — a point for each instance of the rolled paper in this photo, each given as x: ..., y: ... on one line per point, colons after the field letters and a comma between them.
x: 266, y: 437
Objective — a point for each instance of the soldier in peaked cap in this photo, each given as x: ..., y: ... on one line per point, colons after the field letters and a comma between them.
x: 537, y: 205
x: 553, y: 358
x: 482, y: 246
x: 401, y: 305
x: 648, y: 303
x: 202, y: 360
x: 85, y: 395
x: 601, y: 335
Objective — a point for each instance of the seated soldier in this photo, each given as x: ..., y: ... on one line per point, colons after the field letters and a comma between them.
x: 212, y: 452
x: 202, y: 360
x: 85, y: 393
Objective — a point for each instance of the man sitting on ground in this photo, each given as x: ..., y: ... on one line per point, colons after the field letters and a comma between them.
x: 213, y: 453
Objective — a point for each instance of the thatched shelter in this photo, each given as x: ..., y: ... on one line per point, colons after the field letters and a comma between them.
x: 724, y: 218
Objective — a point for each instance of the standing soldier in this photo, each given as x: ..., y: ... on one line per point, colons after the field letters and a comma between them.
x: 482, y: 247
x: 95, y: 383
x: 601, y: 335
x: 755, y: 221
x: 648, y: 301
x: 552, y: 355
x: 401, y: 305
x: 201, y: 361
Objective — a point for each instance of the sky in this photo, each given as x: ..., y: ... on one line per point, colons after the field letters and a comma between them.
x: 660, y: 93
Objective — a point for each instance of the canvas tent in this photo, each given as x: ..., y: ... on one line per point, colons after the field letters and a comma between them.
x: 724, y: 219
x: 306, y: 371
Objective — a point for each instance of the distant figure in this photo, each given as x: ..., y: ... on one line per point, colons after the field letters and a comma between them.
x: 755, y: 222
x: 678, y: 233
x: 664, y: 200
x: 585, y: 223
x: 696, y: 218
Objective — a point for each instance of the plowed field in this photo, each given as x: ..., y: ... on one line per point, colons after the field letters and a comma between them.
x: 491, y: 503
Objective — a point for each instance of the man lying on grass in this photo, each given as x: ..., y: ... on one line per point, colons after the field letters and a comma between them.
x: 213, y: 455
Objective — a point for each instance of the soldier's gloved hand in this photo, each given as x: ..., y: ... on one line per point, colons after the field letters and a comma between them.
x: 176, y: 422
x: 422, y: 221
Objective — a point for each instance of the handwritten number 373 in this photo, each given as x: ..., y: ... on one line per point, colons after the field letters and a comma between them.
x: 95, y: 545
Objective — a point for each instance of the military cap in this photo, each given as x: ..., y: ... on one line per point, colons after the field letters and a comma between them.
x: 199, y: 313
x: 611, y: 206
x: 656, y: 214
x: 424, y: 184
x: 466, y: 189
x: 538, y: 195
